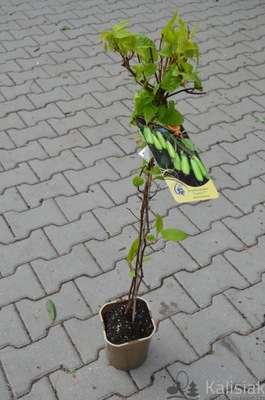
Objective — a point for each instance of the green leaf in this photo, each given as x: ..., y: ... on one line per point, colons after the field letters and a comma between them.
x: 155, y: 171
x: 174, y: 235
x: 149, y: 112
x: 50, y: 307
x: 149, y: 69
x: 172, y: 116
x: 150, y: 238
x: 132, y: 273
x: 145, y: 48
x: 145, y: 259
x: 171, y: 79
x: 159, y: 178
x: 168, y: 31
x: 165, y: 52
x: 159, y: 224
x: 133, y: 250
x: 65, y: 28
x: 120, y: 26
x: 194, y: 30
x: 138, y: 181
x: 71, y: 371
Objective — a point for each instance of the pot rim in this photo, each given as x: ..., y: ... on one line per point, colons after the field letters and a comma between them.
x: 132, y: 341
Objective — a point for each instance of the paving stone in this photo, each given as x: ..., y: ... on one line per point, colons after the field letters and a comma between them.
x: 248, y: 196
x: 175, y: 217
x: 94, y: 153
x: 38, y: 359
x: 249, y: 227
x: 214, y: 372
x: 68, y: 304
x: 22, y: 223
x: 83, y: 179
x: 206, y: 326
x: 32, y: 117
x: 10, y: 158
x: 64, y: 125
x: 97, y: 133
x: 166, y: 261
x: 6, y: 143
x: 11, y: 200
x: 254, y: 358
x: 58, y: 81
x: 249, y: 262
x: 205, y: 139
x: 113, y: 188
x: 53, y: 273
x: 157, y: 389
x: 76, y: 205
x: 217, y: 156
x: 87, y: 227
x: 206, y: 282
x: 54, y: 146
x: 46, y: 67
x: 126, y: 143
x: 243, y: 172
x: 56, y: 186
x: 87, y: 335
x: 108, y: 252
x: 169, y: 299
x: 42, y: 99
x: 12, y: 331
x: 238, y: 93
x: 114, y: 219
x: 6, y: 235
x: 241, y: 128
x: 246, y: 106
x: 22, y: 284
x: 20, y: 103
x: 203, y: 214
x: 21, y: 174
x: 249, y: 302
x: 32, y: 62
x: 120, y: 93
x: 22, y: 136
x: 24, y: 76
x: 212, y: 242
x: 85, y: 102
x: 89, y: 287
x: 4, y: 389
x: 25, y: 250
x: 166, y: 345
x: 41, y: 390
x: 88, y: 380
x: 223, y: 180
x: 67, y: 66
x: 46, y: 168
x: 112, y: 111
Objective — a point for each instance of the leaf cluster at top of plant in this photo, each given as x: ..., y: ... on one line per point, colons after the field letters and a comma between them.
x: 158, y: 70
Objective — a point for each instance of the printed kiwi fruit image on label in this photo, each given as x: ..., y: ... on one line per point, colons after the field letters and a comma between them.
x: 179, y: 162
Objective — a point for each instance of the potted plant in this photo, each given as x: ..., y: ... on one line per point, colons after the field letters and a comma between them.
x: 161, y: 72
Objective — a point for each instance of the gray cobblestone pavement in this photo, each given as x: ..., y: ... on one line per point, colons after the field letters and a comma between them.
x: 66, y: 159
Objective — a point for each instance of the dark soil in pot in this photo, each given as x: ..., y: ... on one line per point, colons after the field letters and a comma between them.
x: 119, y: 327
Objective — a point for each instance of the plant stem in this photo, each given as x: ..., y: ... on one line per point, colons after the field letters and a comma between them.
x: 144, y: 229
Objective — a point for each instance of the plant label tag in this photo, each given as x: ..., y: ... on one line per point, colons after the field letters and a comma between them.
x: 179, y: 162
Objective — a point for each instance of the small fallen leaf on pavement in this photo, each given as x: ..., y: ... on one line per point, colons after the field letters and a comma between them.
x: 65, y: 28
x: 50, y: 307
